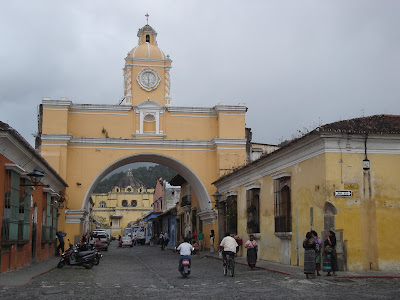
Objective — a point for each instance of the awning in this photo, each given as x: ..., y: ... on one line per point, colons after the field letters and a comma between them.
x: 151, y: 216
x: 115, y: 217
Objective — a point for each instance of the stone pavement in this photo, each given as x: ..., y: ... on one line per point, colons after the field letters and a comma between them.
x: 297, y: 271
x: 25, y: 274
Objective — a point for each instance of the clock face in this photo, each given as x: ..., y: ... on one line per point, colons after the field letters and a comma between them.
x: 148, y: 79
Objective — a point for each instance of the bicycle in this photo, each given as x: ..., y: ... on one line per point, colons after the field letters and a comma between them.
x: 230, y: 265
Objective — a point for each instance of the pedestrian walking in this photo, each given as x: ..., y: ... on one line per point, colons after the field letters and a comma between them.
x: 60, y: 236
x: 165, y: 239
x: 194, y: 236
x: 309, y: 256
x: 161, y: 239
x: 318, y: 247
x: 200, y: 236
x: 252, y: 248
x: 212, y: 237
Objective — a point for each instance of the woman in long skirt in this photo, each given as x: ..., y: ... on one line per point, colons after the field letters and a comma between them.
x: 309, y: 256
x: 252, y: 248
x: 330, y: 256
x: 318, y: 247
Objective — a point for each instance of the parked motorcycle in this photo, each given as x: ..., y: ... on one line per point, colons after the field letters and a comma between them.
x: 74, y: 257
x: 97, y: 254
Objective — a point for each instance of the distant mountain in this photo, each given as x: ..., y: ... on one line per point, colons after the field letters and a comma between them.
x: 147, y: 174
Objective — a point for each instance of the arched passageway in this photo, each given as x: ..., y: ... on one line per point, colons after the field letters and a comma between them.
x: 191, y: 177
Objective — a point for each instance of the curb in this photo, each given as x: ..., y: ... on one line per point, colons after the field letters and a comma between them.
x: 37, y: 275
x: 331, y: 278
x: 263, y: 268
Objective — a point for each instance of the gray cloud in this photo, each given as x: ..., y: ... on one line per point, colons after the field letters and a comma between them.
x: 295, y: 64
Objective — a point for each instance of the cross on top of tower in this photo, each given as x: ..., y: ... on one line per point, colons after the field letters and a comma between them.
x: 147, y: 18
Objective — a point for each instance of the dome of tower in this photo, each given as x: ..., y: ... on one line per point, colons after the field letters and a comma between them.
x: 147, y: 47
x: 147, y: 51
x: 129, y: 181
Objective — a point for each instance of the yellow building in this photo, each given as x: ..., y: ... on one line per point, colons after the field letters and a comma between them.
x: 84, y: 142
x: 342, y: 176
x: 128, y: 201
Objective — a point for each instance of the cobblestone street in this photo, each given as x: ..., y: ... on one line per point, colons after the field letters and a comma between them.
x: 148, y: 272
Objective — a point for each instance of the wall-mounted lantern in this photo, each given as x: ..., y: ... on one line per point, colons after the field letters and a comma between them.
x: 217, y: 196
x: 35, y: 176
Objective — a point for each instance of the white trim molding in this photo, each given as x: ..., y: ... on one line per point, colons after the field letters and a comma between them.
x: 75, y: 216
x: 14, y: 168
x: 281, y: 175
x: 231, y: 193
x: 207, y: 216
x: 253, y: 185
x: 56, y: 137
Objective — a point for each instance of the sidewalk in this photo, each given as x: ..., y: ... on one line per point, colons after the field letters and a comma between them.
x: 25, y: 274
x: 296, y: 271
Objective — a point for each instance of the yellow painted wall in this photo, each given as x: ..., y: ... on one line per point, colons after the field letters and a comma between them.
x: 367, y: 219
x: 100, y: 126
x: 113, y: 202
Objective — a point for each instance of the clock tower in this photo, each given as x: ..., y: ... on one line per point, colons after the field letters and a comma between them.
x: 146, y: 71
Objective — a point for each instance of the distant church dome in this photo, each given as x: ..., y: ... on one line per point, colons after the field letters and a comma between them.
x: 129, y: 181
x: 147, y: 47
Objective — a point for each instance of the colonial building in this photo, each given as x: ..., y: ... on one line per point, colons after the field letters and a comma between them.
x: 162, y: 218
x: 342, y: 176
x: 29, y: 209
x: 128, y: 201
x: 85, y: 142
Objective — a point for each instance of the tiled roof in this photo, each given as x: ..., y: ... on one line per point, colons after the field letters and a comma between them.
x: 7, y: 128
x: 378, y: 124
x: 371, y: 124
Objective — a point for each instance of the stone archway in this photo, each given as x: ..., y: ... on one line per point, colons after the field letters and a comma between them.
x: 191, y: 177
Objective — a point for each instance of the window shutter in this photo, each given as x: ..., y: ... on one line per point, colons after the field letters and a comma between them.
x: 15, y: 178
x: 53, y: 233
x: 27, y: 211
x: 48, y: 216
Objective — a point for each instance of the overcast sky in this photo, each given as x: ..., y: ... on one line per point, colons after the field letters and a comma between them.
x: 296, y: 64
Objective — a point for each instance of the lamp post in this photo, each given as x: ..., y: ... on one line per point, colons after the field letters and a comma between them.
x: 35, y: 176
x: 217, y: 196
x: 221, y: 214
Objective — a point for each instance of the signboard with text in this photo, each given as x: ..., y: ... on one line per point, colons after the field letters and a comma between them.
x: 343, y: 193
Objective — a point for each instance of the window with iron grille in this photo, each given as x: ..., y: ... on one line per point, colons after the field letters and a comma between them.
x: 10, y: 221
x: 231, y: 214
x: 253, y: 210
x: 194, y: 219
x: 282, y: 205
x: 7, y: 194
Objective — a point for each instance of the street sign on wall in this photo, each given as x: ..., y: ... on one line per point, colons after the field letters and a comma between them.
x: 343, y: 193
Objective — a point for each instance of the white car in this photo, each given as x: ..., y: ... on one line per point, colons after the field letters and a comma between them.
x: 126, y: 241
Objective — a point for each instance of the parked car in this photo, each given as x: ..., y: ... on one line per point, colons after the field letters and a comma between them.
x: 96, y: 231
x: 103, y: 240
x: 101, y: 232
x: 126, y: 241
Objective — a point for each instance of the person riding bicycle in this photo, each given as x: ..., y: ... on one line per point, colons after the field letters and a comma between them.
x: 228, y: 246
x: 185, y: 250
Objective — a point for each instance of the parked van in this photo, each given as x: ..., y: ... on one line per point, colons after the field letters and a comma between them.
x: 138, y: 233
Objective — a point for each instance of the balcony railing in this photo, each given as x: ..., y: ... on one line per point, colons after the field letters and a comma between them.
x: 283, y: 224
x: 44, y: 238
x: 20, y: 229
x: 5, y: 229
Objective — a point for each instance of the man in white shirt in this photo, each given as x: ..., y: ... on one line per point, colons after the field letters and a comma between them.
x: 228, y: 246
x: 185, y: 250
